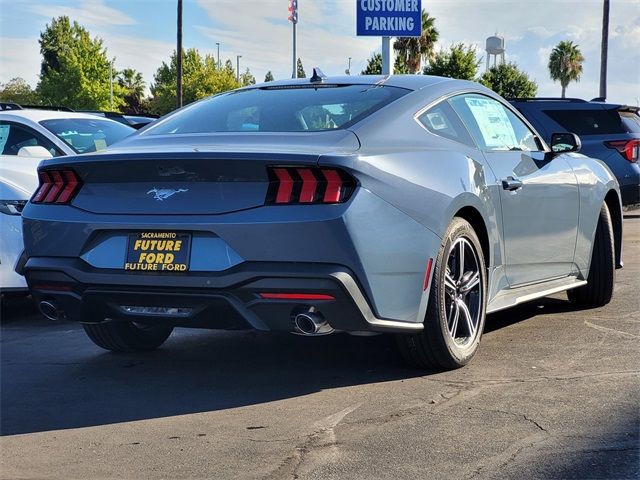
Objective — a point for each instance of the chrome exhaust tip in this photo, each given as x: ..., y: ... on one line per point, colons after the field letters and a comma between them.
x: 49, y: 310
x: 311, y: 323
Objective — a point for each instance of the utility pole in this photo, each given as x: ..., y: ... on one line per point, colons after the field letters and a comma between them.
x: 238, y: 57
x: 604, y: 47
x: 218, y: 44
x: 179, y: 58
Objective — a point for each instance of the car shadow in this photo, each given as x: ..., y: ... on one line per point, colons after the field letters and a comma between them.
x: 525, y: 311
x: 54, y: 378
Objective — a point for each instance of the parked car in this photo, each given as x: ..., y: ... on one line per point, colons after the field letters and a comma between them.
x: 610, y: 132
x: 405, y: 204
x: 26, y: 137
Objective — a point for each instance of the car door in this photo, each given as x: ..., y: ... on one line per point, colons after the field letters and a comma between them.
x: 538, y: 195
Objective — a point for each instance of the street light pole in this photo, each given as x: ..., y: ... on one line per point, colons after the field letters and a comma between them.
x: 218, y: 44
x: 111, y: 85
x: 348, y: 72
x: 238, y: 57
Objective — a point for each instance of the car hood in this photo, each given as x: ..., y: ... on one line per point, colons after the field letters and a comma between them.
x: 327, y: 142
x: 18, y: 177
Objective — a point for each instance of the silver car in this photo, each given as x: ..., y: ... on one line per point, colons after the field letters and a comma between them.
x: 411, y: 205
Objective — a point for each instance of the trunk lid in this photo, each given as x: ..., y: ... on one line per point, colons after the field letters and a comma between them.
x: 194, y: 174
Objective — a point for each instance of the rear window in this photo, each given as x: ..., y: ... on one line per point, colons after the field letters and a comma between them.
x: 631, y: 121
x: 281, y: 109
x: 589, y: 122
x: 86, y: 135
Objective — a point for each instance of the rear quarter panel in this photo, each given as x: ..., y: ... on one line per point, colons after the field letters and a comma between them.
x: 427, y: 177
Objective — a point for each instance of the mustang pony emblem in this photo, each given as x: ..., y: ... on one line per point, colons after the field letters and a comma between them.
x: 165, y: 193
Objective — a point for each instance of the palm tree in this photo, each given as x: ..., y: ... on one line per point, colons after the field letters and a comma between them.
x: 415, y: 49
x: 133, y: 85
x: 132, y: 81
x: 565, y: 64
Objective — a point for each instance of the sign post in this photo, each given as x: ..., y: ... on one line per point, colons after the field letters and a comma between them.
x: 386, y: 19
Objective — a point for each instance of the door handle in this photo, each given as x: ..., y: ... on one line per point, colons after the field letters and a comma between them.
x: 511, y: 183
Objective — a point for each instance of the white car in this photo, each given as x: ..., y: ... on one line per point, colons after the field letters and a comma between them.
x: 27, y: 137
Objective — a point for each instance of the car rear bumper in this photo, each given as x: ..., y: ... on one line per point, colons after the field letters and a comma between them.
x: 232, y: 300
x: 630, y: 194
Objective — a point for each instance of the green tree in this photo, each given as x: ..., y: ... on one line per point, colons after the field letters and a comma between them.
x: 458, y: 62
x: 400, y: 66
x: 133, y: 84
x: 247, y: 78
x: 565, y: 64
x: 509, y: 81
x: 268, y: 77
x: 413, y: 50
x: 201, y: 78
x: 374, y: 65
x: 300, y: 69
x: 75, y: 69
x: 17, y: 90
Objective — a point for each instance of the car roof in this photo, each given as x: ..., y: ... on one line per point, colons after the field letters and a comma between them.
x: 411, y: 82
x: 37, y: 115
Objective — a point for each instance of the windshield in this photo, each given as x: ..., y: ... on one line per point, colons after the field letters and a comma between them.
x: 85, y: 135
x: 281, y: 109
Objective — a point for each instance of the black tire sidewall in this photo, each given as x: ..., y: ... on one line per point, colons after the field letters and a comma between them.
x: 459, y: 228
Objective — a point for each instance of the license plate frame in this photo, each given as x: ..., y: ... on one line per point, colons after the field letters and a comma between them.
x: 144, y: 249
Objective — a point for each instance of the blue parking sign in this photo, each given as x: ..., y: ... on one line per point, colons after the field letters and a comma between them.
x: 389, y: 18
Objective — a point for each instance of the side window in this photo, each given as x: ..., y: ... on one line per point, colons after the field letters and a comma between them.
x: 441, y: 120
x: 492, y: 125
x: 13, y: 137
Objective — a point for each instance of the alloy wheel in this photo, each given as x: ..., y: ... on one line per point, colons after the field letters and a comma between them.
x: 463, y: 292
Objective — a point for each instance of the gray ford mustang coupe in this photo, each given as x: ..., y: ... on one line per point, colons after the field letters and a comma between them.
x: 411, y: 205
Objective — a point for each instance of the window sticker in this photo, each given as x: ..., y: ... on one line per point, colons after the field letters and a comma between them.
x: 4, y: 135
x: 437, y: 121
x: 100, y: 144
x: 495, y: 127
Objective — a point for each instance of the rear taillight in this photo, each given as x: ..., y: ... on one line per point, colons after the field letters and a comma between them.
x: 629, y: 149
x: 56, y: 186
x: 308, y: 185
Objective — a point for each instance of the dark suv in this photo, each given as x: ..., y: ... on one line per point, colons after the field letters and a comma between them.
x: 608, y: 131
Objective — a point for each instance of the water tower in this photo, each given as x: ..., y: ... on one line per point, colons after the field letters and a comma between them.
x: 495, y: 47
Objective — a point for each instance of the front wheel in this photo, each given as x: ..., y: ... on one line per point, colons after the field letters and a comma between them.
x: 455, y: 314
x: 127, y: 336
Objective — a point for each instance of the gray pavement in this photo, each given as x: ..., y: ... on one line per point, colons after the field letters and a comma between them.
x: 553, y: 393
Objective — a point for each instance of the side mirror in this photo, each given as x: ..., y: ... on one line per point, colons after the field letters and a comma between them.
x: 35, y: 151
x: 565, y: 142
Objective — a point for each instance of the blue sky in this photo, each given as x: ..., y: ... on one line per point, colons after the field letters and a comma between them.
x: 141, y: 34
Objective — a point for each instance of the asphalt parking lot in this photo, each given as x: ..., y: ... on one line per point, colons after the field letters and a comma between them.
x: 553, y: 393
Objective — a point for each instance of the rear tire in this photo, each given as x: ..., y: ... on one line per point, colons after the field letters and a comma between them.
x: 445, y: 343
x: 602, y: 271
x: 127, y: 336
